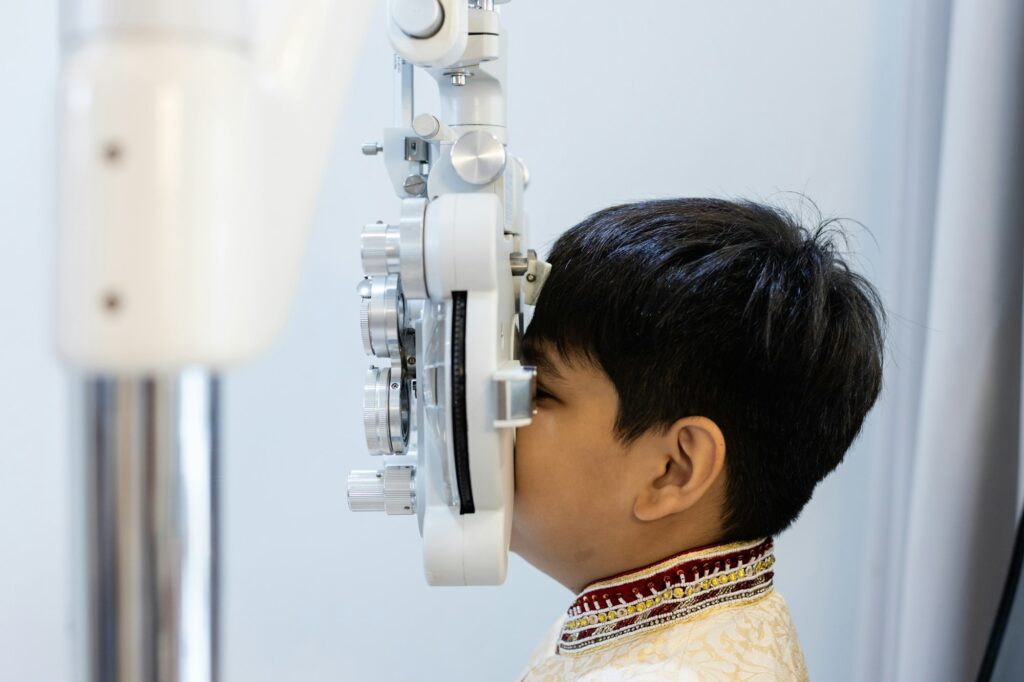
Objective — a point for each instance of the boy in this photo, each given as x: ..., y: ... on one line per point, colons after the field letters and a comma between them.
x: 702, y: 365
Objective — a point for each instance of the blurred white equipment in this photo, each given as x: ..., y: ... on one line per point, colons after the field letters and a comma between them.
x: 443, y: 302
x: 191, y: 147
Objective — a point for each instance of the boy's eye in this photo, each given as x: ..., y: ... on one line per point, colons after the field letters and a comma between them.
x: 541, y: 394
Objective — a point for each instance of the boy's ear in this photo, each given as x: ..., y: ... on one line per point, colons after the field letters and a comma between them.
x: 689, y: 459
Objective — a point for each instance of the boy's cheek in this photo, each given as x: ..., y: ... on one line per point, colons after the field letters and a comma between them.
x: 538, y: 461
x: 537, y: 475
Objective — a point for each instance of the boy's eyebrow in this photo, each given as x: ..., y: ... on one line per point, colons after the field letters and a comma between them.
x: 546, y: 370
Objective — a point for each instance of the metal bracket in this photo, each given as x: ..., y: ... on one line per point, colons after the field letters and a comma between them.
x: 534, y: 269
x: 417, y: 150
x: 516, y: 386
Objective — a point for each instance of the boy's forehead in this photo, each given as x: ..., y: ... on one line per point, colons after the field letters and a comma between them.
x: 548, y: 368
x: 551, y: 365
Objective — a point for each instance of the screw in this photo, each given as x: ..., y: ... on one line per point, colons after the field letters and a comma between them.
x: 372, y: 148
x: 531, y: 277
x: 112, y: 152
x: 459, y: 79
x: 415, y: 185
x: 112, y: 302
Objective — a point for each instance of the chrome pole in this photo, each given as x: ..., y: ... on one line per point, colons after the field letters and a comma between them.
x: 150, y: 470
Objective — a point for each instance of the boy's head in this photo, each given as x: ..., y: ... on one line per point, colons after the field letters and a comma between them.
x: 702, y: 365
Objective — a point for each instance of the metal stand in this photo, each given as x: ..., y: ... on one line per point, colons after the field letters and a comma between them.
x: 150, y: 479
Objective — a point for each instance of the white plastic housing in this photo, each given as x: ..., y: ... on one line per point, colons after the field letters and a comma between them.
x: 188, y: 169
x: 225, y: 19
x: 464, y: 249
x: 481, y: 102
x: 159, y: 242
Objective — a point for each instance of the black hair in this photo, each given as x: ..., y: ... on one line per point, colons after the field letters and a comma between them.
x: 728, y: 310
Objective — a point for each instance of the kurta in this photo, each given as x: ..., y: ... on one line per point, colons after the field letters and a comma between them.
x: 706, y: 614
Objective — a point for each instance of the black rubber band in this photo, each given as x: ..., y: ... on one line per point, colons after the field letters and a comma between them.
x: 460, y: 424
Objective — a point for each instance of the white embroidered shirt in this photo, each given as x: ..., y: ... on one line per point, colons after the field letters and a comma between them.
x: 706, y: 614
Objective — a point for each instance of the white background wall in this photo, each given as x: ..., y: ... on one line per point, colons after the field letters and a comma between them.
x: 611, y: 101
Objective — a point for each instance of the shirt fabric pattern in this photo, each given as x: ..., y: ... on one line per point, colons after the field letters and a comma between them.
x: 707, y: 614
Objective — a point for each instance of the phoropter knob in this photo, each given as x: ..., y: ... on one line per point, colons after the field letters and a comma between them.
x: 386, y: 411
x: 478, y: 157
x: 391, y: 490
x: 381, y: 249
x: 382, y: 316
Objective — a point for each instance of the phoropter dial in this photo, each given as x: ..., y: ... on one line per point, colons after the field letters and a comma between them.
x: 386, y: 411
x: 382, y: 316
x: 391, y: 490
x: 381, y: 249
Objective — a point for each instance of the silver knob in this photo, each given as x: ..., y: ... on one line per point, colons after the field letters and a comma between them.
x: 478, y: 157
x: 398, y: 412
x: 382, y: 317
x: 381, y: 249
x: 372, y: 148
x: 375, y: 410
x: 364, y: 322
x: 391, y: 490
x: 365, y: 290
x: 386, y: 411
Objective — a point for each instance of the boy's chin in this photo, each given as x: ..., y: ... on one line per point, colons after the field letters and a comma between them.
x: 513, y: 543
x: 522, y: 549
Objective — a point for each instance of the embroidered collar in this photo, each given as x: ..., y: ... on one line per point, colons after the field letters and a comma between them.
x: 683, y: 586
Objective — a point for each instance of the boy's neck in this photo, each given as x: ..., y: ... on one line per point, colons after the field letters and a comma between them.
x: 631, y: 557
x: 682, y: 586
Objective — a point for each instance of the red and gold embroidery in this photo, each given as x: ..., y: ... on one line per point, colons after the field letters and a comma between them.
x: 671, y: 590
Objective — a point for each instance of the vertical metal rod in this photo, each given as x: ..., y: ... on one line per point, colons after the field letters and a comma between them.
x: 150, y: 470
x: 405, y: 100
